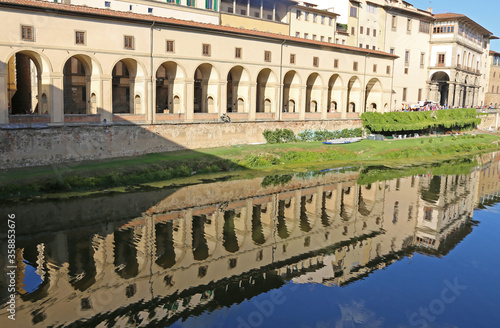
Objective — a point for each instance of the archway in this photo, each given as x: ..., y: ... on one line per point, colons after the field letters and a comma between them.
x: 334, y: 93
x: 266, y: 91
x: 124, y: 85
x: 169, y: 88
x: 205, y: 89
x: 373, y: 94
x: 76, y: 85
x: 291, y: 91
x: 313, y: 93
x: 441, y: 79
x: 24, y: 71
x: 353, y: 94
x: 237, y: 89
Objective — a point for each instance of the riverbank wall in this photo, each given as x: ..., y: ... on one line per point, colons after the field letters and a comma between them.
x: 38, y: 144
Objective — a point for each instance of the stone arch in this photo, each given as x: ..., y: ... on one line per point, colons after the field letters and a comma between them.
x: 314, y: 88
x: 335, y: 90
x: 77, y: 74
x: 25, y: 71
x: 238, y: 87
x: 206, y: 89
x: 128, y: 80
x: 373, y: 94
x: 440, y: 87
x: 170, y: 78
x: 353, y: 94
x: 266, y: 91
x: 291, y: 91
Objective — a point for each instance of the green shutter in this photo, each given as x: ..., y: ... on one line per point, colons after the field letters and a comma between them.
x: 206, y: 4
x: 177, y: 1
x: 215, y: 4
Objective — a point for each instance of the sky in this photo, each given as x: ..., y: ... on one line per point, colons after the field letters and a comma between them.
x: 483, y: 12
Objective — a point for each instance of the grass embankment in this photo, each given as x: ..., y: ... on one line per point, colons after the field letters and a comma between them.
x: 26, y: 182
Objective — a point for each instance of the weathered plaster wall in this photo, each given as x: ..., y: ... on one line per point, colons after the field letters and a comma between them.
x: 51, y: 145
x: 491, y: 121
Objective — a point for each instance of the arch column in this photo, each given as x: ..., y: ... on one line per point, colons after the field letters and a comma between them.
x: 324, y: 102
x: 222, y: 98
x: 56, y: 98
x: 434, y: 89
x: 106, y: 109
x: 252, y: 100
x: 301, y: 102
x: 344, y: 105
x: 189, y: 99
x: 4, y: 103
x: 451, y: 94
x: 458, y: 89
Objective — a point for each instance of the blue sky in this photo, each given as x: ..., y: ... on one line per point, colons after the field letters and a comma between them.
x: 483, y: 12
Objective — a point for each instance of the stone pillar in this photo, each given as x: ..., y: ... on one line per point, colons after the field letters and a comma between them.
x: 434, y: 92
x: 189, y: 99
x: 222, y: 97
x: 261, y: 9
x: 451, y: 89
x: 4, y: 98
x: 252, y: 99
x: 301, y: 102
x: 248, y: 7
x: 234, y: 6
x: 56, y: 99
x: 324, y: 102
x: 344, y: 105
x: 106, y: 110
x: 274, y: 10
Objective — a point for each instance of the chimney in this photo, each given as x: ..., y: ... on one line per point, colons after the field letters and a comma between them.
x: 429, y: 9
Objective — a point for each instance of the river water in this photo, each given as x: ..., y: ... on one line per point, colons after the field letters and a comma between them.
x: 336, y: 248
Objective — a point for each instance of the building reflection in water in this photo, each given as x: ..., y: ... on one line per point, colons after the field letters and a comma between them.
x: 212, y: 245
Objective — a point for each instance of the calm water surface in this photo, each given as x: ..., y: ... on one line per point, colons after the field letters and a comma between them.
x: 318, y: 249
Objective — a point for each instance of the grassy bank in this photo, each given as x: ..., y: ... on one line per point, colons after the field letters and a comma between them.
x: 26, y: 182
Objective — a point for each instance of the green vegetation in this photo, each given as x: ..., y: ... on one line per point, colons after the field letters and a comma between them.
x: 271, y: 158
x: 285, y: 135
x: 447, y: 119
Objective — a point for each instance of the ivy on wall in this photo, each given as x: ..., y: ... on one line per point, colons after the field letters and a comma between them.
x: 457, y: 118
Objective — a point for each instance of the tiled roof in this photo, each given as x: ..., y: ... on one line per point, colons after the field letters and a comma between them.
x: 84, y: 10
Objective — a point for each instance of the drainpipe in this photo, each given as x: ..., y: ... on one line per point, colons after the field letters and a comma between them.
x: 280, y: 100
x: 153, y: 111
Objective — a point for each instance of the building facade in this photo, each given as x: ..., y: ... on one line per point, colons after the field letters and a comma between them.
x: 492, y: 97
x: 140, y: 70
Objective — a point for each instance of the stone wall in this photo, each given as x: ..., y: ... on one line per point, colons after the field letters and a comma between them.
x: 21, y: 147
x: 491, y: 121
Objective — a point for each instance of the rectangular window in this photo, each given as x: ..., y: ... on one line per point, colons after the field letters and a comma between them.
x: 107, y: 4
x: 371, y: 8
x: 322, y: 39
x: 361, y: 45
x: 150, y: 10
x: 27, y: 33
x: 407, y: 57
x: 315, y: 18
x: 352, y: 30
x: 422, y: 59
x: 314, y: 36
x: 392, y: 51
x: 404, y: 94
x: 428, y: 214
x: 361, y: 30
x: 298, y: 14
x: 368, y: 31
x: 388, y: 70
x: 335, y: 63
x: 424, y: 27
x: 297, y: 34
x: 322, y: 20
x: 191, y: 3
x: 373, y: 48
x: 306, y: 16
x: 315, y: 61
x: 354, y: 11
x: 267, y: 56
x: 419, y: 98
x: 330, y: 21
x: 306, y: 35
x: 406, y: 70
x: 237, y: 52
x: 79, y: 37
x: 374, y: 68
x: 374, y: 32
x: 206, y: 49
x: 441, y: 58
x: 211, y: 4
x: 128, y: 42
x: 170, y: 46
x: 292, y: 58
x: 367, y: 47
x: 355, y: 66
x: 394, y: 23
x: 408, y: 25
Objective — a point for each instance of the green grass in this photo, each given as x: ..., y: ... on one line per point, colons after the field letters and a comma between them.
x: 275, y: 158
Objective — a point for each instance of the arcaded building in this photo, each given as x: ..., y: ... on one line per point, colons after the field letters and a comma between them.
x: 126, y: 66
